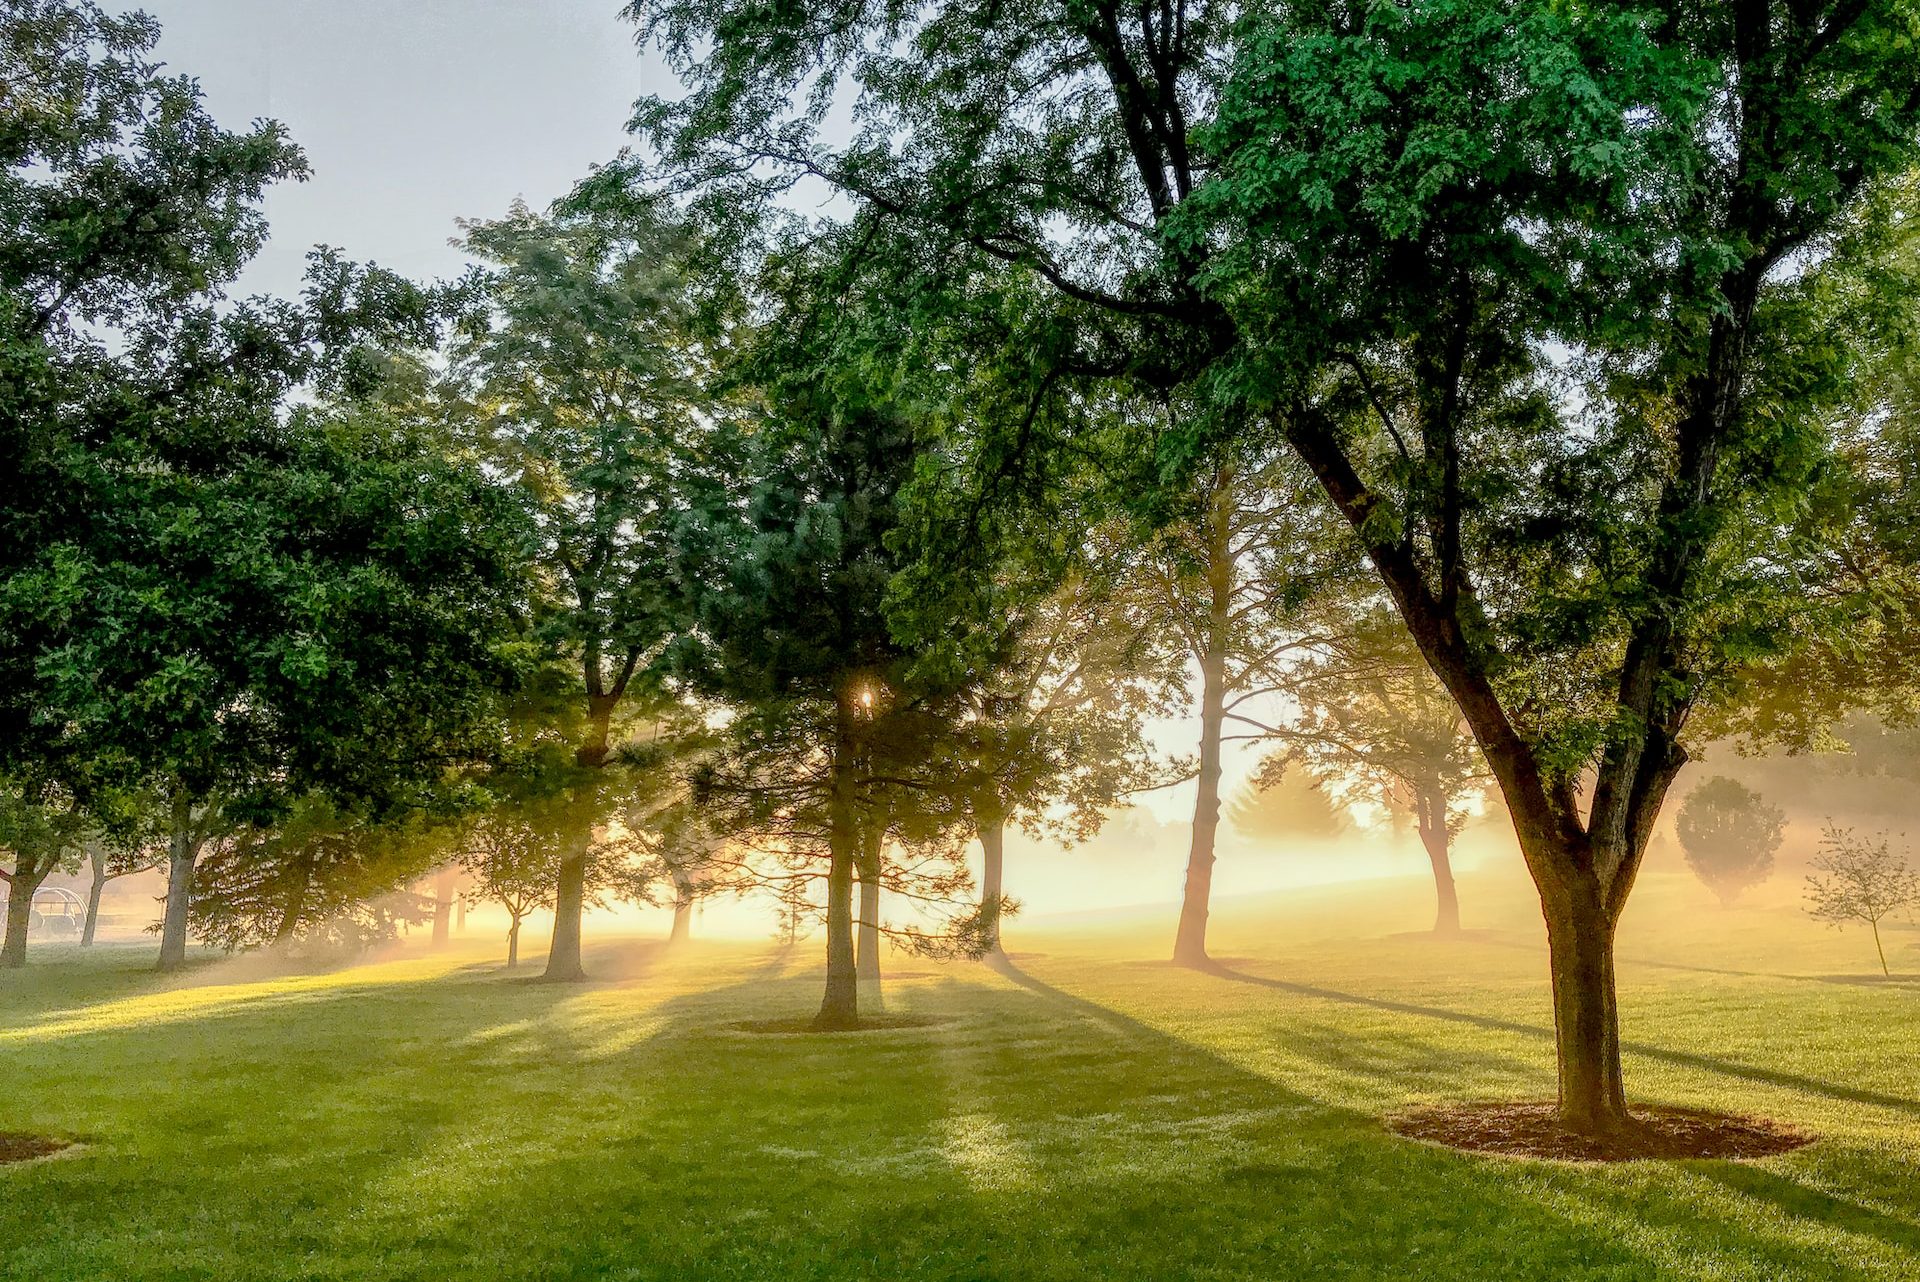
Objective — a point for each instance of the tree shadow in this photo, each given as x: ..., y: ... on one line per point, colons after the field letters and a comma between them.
x: 461, y: 1127
x: 1690, y: 1059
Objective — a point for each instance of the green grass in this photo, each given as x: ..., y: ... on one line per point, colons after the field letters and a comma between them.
x: 1091, y: 1116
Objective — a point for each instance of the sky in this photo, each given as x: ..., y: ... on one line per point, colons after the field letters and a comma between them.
x: 415, y: 113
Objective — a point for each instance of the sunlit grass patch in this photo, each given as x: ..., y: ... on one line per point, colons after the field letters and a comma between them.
x: 1067, y: 1117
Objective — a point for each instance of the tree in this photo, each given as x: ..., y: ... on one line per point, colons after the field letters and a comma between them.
x: 1051, y: 738
x: 1373, y: 724
x: 584, y: 383
x: 1241, y: 580
x: 798, y: 550
x: 108, y: 859
x: 1729, y: 834
x: 44, y: 830
x: 1283, y: 805
x: 514, y: 862
x: 317, y: 876
x: 1603, y: 206
x: 1864, y: 880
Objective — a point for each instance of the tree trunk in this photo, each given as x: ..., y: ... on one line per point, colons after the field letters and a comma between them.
x: 867, y: 961
x: 570, y: 897
x: 1586, y: 1014
x: 993, y: 839
x: 840, y: 1006
x: 682, y: 916
x: 563, y: 955
x: 1874, y: 924
x: 296, y: 905
x: 1436, y: 837
x: 442, y: 907
x: 460, y: 916
x: 94, y: 893
x: 513, y: 944
x: 1190, y: 944
x: 20, y: 891
x: 184, y: 850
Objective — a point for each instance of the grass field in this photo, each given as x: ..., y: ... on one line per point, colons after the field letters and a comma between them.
x: 1089, y: 1115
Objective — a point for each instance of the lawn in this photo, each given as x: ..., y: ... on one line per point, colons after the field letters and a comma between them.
x: 1089, y: 1114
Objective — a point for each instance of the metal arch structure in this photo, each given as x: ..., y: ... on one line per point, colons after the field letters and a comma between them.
x: 58, y: 913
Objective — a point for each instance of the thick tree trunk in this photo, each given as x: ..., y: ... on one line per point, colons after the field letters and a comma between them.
x: 1586, y: 1014
x: 570, y: 897
x: 1190, y: 943
x: 460, y: 916
x: 867, y: 959
x: 682, y: 918
x: 513, y: 944
x: 563, y: 955
x: 296, y: 906
x: 1436, y: 837
x: 442, y: 907
x: 20, y: 891
x: 993, y: 840
x: 184, y: 850
x: 840, y: 1006
x: 95, y: 891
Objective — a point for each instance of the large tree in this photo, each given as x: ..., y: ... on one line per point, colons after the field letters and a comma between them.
x: 583, y: 381
x: 1533, y: 292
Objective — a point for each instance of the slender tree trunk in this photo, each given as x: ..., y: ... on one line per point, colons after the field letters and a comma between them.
x: 993, y: 840
x: 442, y: 907
x: 1436, y: 837
x: 94, y: 892
x: 1874, y: 924
x: 184, y: 850
x: 867, y: 961
x: 1586, y: 1013
x: 20, y: 891
x: 460, y: 916
x: 840, y: 1006
x: 1190, y: 944
x: 513, y: 944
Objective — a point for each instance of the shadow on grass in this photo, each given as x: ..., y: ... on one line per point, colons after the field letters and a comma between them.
x: 1862, y: 979
x: 1691, y: 1059
x: 454, y: 1127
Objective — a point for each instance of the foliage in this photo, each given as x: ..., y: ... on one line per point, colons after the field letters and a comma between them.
x: 1857, y: 879
x: 1374, y: 725
x: 319, y: 878
x: 1729, y: 834
x: 1284, y: 805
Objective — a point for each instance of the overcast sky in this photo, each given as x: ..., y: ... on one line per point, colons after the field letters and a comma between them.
x: 412, y: 112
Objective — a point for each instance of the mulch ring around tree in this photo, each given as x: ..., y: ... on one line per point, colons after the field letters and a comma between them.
x: 1531, y: 1128
x: 19, y: 1146
x: 879, y: 1023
